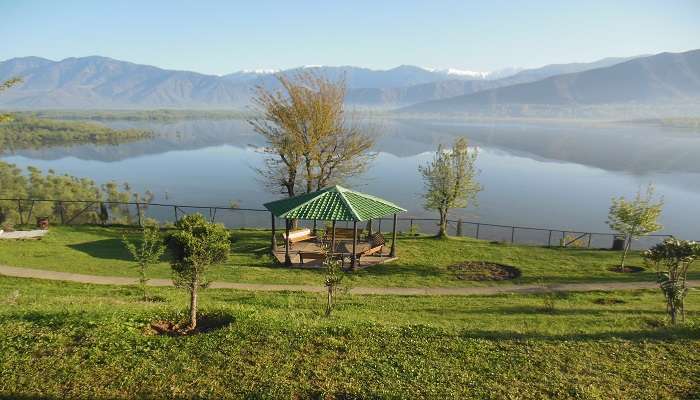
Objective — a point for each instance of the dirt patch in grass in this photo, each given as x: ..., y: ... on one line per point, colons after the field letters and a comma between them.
x: 626, y: 270
x: 607, y: 301
x: 205, y: 323
x: 483, y: 271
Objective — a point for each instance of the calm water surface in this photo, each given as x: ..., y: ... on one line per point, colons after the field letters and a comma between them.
x: 547, y: 175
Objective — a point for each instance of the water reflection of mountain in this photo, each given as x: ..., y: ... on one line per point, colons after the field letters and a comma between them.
x: 614, y: 147
x: 609, y: 146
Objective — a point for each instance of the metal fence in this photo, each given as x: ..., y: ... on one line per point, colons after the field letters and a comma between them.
x: 67, y: 212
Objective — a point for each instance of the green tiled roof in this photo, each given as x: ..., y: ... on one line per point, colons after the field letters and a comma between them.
x: 333, y: 203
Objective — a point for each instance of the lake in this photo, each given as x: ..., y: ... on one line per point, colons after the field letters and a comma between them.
x: 554, y: 175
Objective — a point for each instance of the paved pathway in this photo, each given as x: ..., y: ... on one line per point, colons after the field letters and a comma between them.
x: 35, y: 234
x: 426, y: 291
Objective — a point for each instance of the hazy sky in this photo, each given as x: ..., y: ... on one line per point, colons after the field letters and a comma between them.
x: 223, y: 36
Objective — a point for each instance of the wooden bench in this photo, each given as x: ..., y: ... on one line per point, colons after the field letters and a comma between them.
x: 298, y: 236
x: 310, y: 255
x: 342, y: 234
x: 376, y: 245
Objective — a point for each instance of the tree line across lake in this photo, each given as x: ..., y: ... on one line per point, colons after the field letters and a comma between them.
x: 23, y: 132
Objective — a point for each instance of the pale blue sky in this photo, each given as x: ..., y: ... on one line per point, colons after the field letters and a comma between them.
x: 224, y: 36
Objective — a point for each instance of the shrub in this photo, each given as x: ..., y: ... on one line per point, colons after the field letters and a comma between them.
x: 671, y: 259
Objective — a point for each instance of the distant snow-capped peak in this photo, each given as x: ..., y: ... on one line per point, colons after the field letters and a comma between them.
x: 461, y: 73
x: 262, y: 71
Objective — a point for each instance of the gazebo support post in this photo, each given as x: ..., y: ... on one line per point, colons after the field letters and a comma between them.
x: 392, y: 253
x: 333, y: 238
x: 287, y: 259
x: 273, y: 241
x: 369, y: 227
x: 353, y: 263
x: 315, y: 230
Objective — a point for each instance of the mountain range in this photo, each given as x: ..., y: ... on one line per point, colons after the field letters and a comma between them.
x: 98, y: 82
x: 663, y: 78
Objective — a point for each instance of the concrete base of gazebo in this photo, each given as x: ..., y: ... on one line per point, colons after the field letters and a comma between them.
x: 312, y: 247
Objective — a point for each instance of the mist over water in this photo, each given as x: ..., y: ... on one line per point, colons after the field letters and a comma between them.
x: 555, y: 175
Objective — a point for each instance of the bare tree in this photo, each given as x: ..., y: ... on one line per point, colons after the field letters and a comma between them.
x: 450, y: 180
x: 311, y: 142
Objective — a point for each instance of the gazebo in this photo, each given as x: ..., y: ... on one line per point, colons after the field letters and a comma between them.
x: 333, y: 204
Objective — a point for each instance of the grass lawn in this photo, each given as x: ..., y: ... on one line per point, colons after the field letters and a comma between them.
x: 423, y: 261
x: 66, y: 340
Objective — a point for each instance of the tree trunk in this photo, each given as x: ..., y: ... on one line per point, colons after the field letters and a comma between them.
x: 443, y: 224
x: 673, y: 311
x: 193, y: 307
x: 329, y: 304
x: 142, y: 282
x: 628, y: 244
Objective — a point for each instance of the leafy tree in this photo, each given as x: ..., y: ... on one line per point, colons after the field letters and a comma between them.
x: 4, y: 86
x: 147, y: 253
x: 450, y: 180
x: 310, y: 139
x: 635, y: 218
x: 672, y: 258
x: 195, y: 246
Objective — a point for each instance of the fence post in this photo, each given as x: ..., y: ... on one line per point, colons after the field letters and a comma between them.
x: 478, y: 225
x: 549, y: 239
x: 459, y: 227
x: 512, y: 235
x: 589, y: 240
x: 175, y: 212
x: 563, y: 239
x: 19, y: 210
x: 29, y: 215
x: 410, y: 228
x: 60, y: 211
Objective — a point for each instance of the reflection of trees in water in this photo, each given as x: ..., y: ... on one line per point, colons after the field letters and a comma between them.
x: 180, y: 135
x: 615, y: 147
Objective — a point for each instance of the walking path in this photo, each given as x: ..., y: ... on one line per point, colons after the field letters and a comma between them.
x: 424, y: 291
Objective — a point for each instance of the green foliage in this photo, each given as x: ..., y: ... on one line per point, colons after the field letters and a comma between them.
x: 147, y: 253
x: 671, y: 259
x: 33, y: 133
x: 9, y: 83
x: 4, y: 86
x: 635, y: 218
x: 195, y: 245
x: 450, y: 180
x: 332, y: 280
x: 311, y: 141
x: 573, y: 240
x: 36, y: 184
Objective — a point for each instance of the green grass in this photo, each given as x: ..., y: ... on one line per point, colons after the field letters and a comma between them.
x: 64, y: 340
x: 423, y: 261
